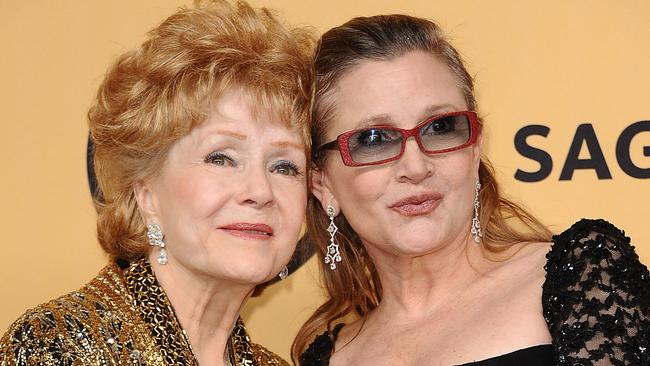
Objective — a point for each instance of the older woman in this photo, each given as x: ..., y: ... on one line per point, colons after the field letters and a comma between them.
x: 201, y: 162
x: 421, y: 254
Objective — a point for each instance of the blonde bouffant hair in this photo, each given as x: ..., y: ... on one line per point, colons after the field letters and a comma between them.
x: 157, y: 93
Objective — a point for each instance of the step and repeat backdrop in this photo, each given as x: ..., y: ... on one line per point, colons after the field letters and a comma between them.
x: 564, y: 88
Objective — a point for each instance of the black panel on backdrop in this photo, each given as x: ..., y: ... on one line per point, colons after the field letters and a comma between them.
x: 584, y: 135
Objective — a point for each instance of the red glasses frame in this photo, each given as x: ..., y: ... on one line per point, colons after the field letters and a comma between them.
x: 341, y: 142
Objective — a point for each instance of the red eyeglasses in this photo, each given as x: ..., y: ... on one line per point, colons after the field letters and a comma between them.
x: 382, y: 144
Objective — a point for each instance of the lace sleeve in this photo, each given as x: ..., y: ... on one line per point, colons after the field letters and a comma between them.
x: 597, y: 297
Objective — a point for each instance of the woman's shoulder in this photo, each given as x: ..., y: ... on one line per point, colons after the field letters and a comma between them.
x: 47, y: 330
x: 588, y: 227
x: 593, y: 241
x: 589, y: 250
x: 594, y: 261
x: 72, y: 327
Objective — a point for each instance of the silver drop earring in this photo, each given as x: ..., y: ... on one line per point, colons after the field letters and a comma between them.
x: 284, y: 273
x: 476, y: 222
x: 333, y: 255
x: 155, y: 236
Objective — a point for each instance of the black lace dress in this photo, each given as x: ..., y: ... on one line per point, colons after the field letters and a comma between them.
x: 596, y: 301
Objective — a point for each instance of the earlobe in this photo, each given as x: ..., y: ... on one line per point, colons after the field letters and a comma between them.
x: 320, y: 189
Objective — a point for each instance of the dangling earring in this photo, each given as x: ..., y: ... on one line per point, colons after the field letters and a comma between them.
x: 284, y: 273
x: 476, y: 223
x: 155, y: 236
x: 333, y: 255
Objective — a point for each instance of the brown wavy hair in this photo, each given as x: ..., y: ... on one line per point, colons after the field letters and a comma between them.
x: 155, y: 94
x: 354, y: 288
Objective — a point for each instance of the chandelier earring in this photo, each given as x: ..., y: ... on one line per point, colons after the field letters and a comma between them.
x: 476, y: 222
x: 156, y: 236
x: 333, y: 255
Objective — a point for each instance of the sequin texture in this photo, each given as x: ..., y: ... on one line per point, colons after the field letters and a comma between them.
x: 121, y: 317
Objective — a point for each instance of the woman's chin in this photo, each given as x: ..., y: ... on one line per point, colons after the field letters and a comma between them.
x: 414, y: 244
x: 244, y: 267
x: 251, y: 275
x: 414, y: 250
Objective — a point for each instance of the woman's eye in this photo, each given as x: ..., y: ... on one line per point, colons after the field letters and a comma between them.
x: 439, y: 126
x: 286, y: 167
x: 374, y: 137
x: 219, y: 159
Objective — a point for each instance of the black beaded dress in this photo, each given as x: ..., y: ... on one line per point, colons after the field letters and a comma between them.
x: 596, y: 301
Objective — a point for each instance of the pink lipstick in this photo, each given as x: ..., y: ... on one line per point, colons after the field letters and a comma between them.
x: 417, y: 205
x: 249, y: 231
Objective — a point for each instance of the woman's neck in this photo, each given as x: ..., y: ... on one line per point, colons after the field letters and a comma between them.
x: 413, y: 286
x: 206, y: 308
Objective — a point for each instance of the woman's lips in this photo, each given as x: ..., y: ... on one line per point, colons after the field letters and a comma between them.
x: 249, y: 231
x: 417, y: 205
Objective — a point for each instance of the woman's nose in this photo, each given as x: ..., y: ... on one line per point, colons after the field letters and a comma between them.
x: 413, y: 166
x: 255, y: 189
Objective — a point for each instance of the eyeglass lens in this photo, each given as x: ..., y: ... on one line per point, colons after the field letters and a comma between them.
x: 376, y: 144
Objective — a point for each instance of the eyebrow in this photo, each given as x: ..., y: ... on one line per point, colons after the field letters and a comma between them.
x: 239, y: 136
x: 434, y: 109
x: 379, y: 119
x: 287, y: 144
x: 234, y: 134
x: 387, y: 120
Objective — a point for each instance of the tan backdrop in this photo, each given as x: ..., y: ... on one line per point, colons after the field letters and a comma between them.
x: 553, y: 63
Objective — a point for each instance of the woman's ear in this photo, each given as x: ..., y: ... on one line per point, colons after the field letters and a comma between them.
x: 320, y: 188
x: 145, y: 198
x: 478, y: 147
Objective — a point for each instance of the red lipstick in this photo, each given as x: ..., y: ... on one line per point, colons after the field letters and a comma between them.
x: 249, y: 231
x: 417, y: 205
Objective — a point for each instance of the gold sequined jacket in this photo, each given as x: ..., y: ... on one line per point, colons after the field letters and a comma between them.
x: 122, y: 317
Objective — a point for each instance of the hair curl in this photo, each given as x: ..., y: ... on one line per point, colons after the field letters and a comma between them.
x: 155, y: 94
x: 354, y: 288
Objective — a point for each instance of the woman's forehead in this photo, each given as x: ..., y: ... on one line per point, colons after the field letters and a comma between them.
x: 401, y: 90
